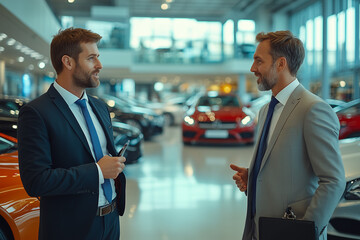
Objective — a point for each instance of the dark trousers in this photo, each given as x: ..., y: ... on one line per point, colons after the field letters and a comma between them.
x: 105, y: 228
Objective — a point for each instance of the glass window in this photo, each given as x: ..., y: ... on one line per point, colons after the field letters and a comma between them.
x: 318, y: 43
x: 228, y: 36
x: 341, y: 37
x: 331, y: 41
x: 173, y: 38
x: 350, y: 35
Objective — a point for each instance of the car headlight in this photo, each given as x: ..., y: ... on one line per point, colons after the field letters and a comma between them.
x: 353, y: 190
x: 149, y: 117
x: 246, y: 121
x: 189, y: 121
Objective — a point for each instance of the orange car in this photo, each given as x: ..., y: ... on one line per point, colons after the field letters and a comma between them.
x: 19, y: 213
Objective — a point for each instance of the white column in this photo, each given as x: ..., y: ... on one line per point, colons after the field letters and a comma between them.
x: 2, y: 77
x: 242, y: 88
x: 325, y: 84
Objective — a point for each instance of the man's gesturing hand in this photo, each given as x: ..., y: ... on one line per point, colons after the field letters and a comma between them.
x: 241, y: 177
x: 111, y: 167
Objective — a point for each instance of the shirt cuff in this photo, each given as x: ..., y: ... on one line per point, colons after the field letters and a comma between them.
x: 101, y: 176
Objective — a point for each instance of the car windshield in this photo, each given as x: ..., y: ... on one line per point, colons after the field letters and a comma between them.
x: 222, y: 101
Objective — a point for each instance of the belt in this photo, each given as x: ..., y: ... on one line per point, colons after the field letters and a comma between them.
x: 106, y: 209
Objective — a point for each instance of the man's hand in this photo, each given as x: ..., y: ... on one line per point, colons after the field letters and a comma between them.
x: 241, y: 177
x: 111, y: 167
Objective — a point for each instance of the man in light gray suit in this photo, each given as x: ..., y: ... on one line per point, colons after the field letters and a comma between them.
x: 297, y: 161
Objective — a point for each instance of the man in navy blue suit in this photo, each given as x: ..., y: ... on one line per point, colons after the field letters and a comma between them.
x: 66, y: 149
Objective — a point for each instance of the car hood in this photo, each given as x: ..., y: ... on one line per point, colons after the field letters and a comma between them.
x: 222, y: 113
x: 9, y: 169
x: 350, y: 152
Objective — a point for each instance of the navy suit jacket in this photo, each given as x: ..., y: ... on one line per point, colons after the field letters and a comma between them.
x: 56, y: 165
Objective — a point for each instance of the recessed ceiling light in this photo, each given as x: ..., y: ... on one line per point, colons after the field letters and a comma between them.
x: 31, y: 67
x: 18, y: 46
x: 2, y: 36
x: 21, y: 59
x: 2, y: 49
x: 71, y: 1
x: 41, y: 65
x: 164, y: 6
x: 11, y: 42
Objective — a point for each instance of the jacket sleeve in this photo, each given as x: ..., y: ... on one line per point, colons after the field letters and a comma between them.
x: 321, y: 133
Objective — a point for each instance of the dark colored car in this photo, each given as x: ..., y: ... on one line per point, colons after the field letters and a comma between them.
x: 9, y: 111
x: 349, y: 117
x: 124, y: 132
x: 146, y: 120
x: 218, y: 118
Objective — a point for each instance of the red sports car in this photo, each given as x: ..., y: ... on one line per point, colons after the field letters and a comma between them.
x: 349, y: 117
x: 218, y: 118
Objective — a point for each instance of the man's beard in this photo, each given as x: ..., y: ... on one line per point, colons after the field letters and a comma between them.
x: 269, y: 81
x: 83, y: 79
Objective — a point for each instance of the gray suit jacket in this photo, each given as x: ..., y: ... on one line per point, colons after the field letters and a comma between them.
x: 302, y: 166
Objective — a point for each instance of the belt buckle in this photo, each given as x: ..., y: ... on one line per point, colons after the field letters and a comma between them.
x: 104, y: 210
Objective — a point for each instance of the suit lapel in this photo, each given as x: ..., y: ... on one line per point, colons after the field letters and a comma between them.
x: 69, y: 116
x: 290, y: 105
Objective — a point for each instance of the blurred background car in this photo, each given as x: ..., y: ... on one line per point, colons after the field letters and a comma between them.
x: 10, y: 105
x: 172, y: 109
x: 349, y: 117
x: 19, y: 213
x: 124, y: 132
x: 256, y: 104
x: 334, y: 102
x: 345, y: 221
x: 9, y: 111
x: 218, y: 118
x: 149, y: 123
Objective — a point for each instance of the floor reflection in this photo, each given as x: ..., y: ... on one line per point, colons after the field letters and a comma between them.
x: 184, y: 192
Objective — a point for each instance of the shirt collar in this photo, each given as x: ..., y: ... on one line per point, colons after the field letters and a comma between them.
x: 284, y: 94
x: 68, y: 96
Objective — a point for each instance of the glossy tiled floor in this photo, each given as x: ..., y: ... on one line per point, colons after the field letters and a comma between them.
x: 181, y: 192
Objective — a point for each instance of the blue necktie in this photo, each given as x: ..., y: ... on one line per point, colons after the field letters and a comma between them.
x: 261, y: 151
x: 96, y: 146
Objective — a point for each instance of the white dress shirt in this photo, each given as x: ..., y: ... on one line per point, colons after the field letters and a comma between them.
x: 282, y: 97
x: 70, y: 99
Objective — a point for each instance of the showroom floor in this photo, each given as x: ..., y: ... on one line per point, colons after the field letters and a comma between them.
x: 181, y: 192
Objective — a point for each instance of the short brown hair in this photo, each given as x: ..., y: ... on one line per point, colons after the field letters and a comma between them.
x: 67, y: 42
x: 285, y: 44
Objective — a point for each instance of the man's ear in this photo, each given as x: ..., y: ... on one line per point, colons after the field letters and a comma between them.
x: 281, y: 64
x: 68, y: 62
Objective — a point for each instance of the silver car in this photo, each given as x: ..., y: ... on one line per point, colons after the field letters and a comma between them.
x: 345, y: 221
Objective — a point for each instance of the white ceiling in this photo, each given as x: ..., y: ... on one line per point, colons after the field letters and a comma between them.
x: 199, y: 9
